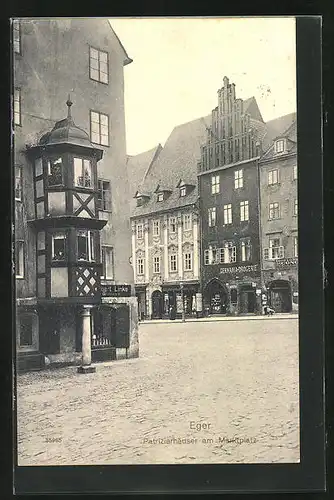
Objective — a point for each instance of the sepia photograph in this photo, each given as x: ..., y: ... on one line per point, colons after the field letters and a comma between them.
x: 155, y: 240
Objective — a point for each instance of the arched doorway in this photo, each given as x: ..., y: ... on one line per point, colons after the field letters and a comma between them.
x: 215, y: 297
x: 247, y: 299
x: 280, y: 296
x: 157, y: 304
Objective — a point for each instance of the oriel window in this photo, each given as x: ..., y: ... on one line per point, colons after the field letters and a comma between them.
x: 17, y: 36
x: 59, y: 246
x: 83, y: 173
x: 99, y: 128
x: 18, y: 183
x: 104, y: 195
x: 55, y: 172
x: 98, y: 65
x: 85, y: 243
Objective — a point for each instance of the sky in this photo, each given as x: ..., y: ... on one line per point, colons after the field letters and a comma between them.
x: 179, y: 64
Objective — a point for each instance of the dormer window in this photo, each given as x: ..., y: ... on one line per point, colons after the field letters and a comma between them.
x: 280, y: 146
x: 183, y: 191
x: 141, y: 199
x: 160, y: 197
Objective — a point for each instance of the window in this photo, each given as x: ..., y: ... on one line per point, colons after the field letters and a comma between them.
x: 17, y: 36
x: 156, y: 228
x: 295, y: 173
x: 172, y: 225
x: 140, y: 231
x: 206, y: 257
x: 160, y: 197
x: 86, y: 250
x: 187, y: 222
x: 295, y: 246
x: 99, y: 128
x: 83, y: 176
x: 238, y: 179
x: 55, y: 172
x: 17, y: 106
x: 244, y: 212
x: 98, y: 65
x: 228, y: 253
x: 212, y: 216
x: 245, y: 250
x: 215, y: 184
x: 280, y: 146
x: 19, y: 259
x: 107, y: 259
x: 18, y: 183
x: 210, y: 255
x: 275, y: 250
x: 26, y: 327
x: 228, y: 214
x: 273, y: 177
x: 173, y: 263
x: 188, y: 261
x: 274, y: 212
x: 140, y: 266
x: 104, y: 195
x: 295, y: 208
x: 183, y: 191
x: 58, y: 246
x: 156, y: 265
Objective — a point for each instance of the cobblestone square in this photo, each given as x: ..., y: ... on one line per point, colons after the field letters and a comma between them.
x: 238, y: 379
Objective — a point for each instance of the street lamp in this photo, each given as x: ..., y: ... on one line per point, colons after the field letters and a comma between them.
x: 182, y: 298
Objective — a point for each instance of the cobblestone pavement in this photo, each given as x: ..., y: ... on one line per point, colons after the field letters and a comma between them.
x: 239, y: 377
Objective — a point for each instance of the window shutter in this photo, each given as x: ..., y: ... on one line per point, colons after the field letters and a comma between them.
x: 281, y: 253
x: 266, y: 253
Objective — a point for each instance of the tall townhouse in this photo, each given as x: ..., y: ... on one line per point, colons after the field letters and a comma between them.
x: 165, y: 227
x: 228, y: 181
x: 74, y: 278
x: 279, y: 215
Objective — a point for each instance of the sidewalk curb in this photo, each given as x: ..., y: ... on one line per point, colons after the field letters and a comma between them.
x: 217, y: 320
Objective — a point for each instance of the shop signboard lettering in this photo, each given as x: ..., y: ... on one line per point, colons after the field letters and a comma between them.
x: 285, y: 263
x: 238, y: 269
x: 116, y: 290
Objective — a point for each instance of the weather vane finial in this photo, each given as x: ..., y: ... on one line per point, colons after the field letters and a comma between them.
x: 69, y: 104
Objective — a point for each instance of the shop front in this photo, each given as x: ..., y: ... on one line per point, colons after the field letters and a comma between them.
x: 177, y: 297
x: 282, y: 286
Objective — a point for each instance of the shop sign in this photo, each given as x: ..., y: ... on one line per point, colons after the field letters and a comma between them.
x: 239, y: 269
x: 284, y: 263
x: 116, y: 290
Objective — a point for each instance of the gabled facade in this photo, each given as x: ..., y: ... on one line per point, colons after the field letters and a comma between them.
x: 165, y: 228
x: 229, y: 206
x: 279, y: 215
x: 72, y: 233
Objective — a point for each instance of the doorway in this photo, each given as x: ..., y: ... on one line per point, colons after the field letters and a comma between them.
x: 216, y: 297
x: 280, y: 296
x: 49, y: 331
x: 157, y: 304
x: 247, y: 299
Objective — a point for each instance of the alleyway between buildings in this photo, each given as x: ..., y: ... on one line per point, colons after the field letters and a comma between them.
x: 239, y: 378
